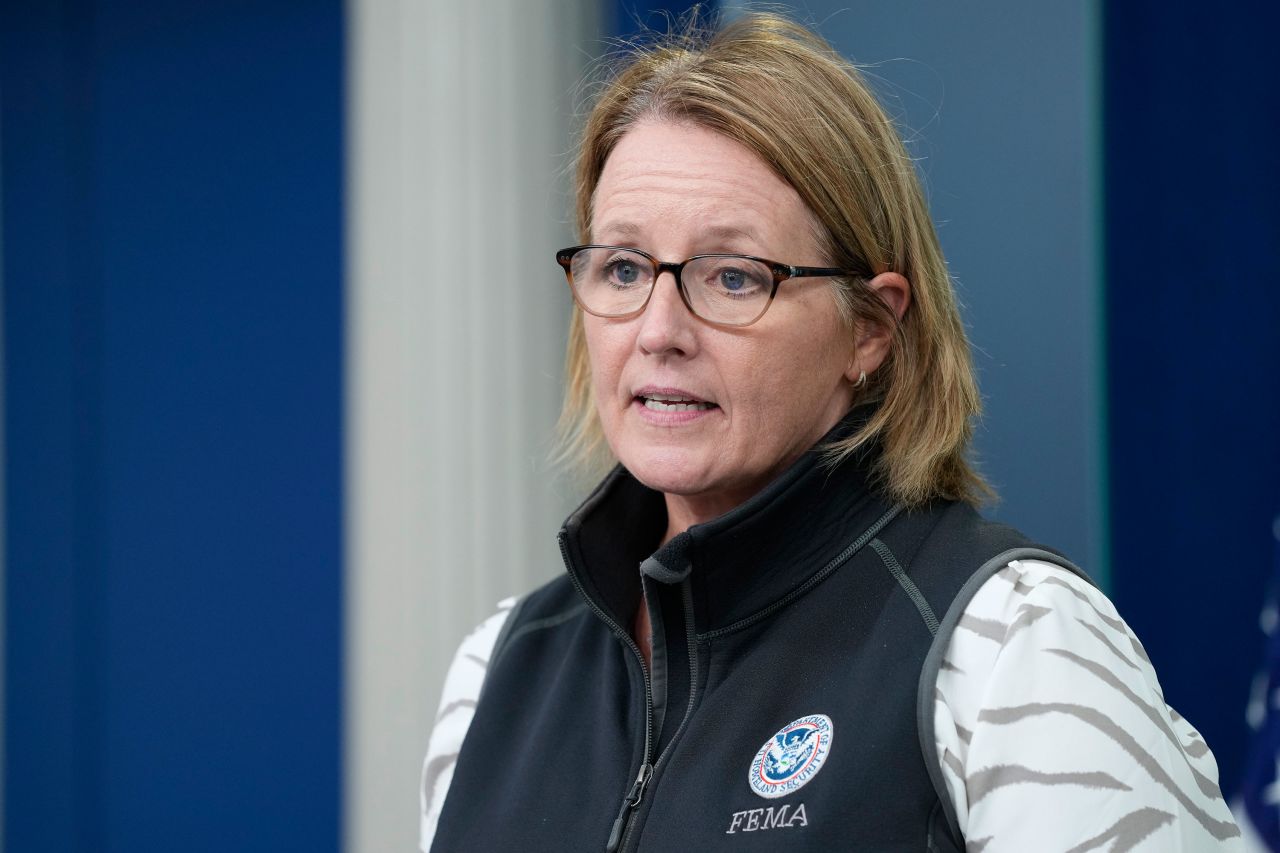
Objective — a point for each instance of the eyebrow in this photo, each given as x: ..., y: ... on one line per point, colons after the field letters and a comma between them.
x: 622, y: 229
x: 733, y: 232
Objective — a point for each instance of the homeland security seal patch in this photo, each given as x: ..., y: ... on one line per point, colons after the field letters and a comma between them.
x: 792, y: 757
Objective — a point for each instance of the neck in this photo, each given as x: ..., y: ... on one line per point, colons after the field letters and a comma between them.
x: 642, y: 633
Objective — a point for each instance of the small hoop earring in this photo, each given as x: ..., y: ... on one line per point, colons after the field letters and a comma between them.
x: 862, y: 379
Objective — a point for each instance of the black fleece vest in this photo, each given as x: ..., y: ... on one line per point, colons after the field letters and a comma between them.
x: 796, y: 644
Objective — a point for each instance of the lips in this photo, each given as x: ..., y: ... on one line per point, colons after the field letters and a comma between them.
x: 672, y: 400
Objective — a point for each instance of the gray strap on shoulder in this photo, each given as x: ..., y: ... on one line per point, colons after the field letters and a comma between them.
x: 512, y: 630
x: 925, y: 695
x: 502, y: 640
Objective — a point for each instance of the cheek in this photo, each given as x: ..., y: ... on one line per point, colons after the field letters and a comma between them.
x: 790, y: 389
x: 832, y: 343
x: 770, y: 389
x: 805, y: 374
x: 606, y: 355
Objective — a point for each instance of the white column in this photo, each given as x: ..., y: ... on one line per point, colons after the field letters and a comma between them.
x: 458, y: 152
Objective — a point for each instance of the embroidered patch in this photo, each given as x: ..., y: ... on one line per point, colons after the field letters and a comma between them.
x: 792, y: 757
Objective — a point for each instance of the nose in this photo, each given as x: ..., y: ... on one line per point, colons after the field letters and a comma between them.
x: 666, y: 326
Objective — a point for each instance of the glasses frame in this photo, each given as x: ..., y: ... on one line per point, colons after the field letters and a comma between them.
x: 781, y: 272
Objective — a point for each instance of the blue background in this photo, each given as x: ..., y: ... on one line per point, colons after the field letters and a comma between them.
x: 1193, y: 315
x: 172, y: 215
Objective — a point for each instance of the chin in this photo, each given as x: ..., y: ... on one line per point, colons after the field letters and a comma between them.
x: 669, y: 470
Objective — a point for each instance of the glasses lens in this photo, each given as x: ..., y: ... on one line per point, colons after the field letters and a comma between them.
x: 728, y: 289
x: 611, y: 282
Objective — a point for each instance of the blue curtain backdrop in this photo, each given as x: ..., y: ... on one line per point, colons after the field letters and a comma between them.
x: 172, y: 220
x: 1193, y: 330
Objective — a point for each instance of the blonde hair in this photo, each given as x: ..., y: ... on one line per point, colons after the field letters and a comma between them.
x: 783, y: 92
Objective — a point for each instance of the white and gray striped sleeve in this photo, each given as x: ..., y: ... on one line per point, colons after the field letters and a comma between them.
x: 1053, y: 732
x: 457, y: 707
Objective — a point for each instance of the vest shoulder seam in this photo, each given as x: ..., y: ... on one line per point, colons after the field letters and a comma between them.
x: 933, y: 665
x: 512, y: 631
x: 907, y: 585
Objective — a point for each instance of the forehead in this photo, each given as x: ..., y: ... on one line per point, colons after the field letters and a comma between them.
x: 680, y: 183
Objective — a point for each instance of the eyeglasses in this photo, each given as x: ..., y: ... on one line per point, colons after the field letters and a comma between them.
x: 725, y: 290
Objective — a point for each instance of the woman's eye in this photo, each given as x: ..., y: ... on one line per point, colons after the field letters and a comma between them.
x: 736, y: 281
x: 733, y: 280
x: 623, y: 272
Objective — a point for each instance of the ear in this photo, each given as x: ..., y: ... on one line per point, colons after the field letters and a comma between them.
x: 873, y: 341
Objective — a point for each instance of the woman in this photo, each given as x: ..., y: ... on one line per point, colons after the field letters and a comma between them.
x: 782, y: 621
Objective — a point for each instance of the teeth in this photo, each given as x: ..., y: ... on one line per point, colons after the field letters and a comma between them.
x: 674, y: 404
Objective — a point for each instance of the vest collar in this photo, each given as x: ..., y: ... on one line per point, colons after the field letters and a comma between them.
x: 739, y: 563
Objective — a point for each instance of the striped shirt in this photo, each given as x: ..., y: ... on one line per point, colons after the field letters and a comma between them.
x: 1049, y: 722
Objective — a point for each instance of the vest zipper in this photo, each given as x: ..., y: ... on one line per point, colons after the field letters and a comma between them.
x: 636, y: 793
x: 686, y: 589
x: 621, y: 830
x: 633, y: 798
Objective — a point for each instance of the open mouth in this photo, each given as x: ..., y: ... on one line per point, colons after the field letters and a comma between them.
x: 674, y: 403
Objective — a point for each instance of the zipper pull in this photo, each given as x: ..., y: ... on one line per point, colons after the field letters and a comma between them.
x: 629, y: 802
